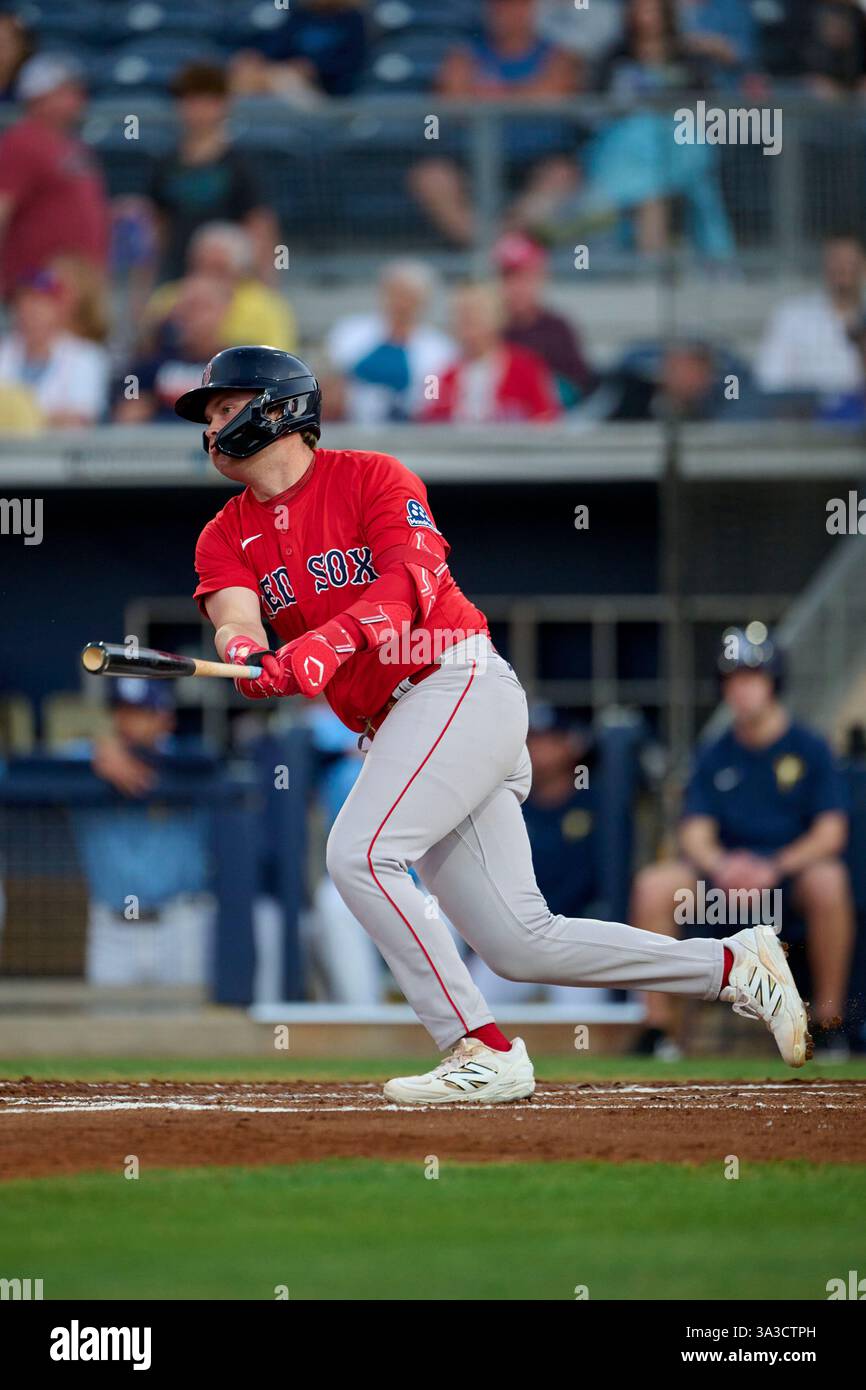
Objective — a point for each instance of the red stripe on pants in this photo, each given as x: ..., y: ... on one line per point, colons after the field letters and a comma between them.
x: 380, y: 886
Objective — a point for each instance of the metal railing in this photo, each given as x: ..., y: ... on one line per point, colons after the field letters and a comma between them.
x: 824, y: 634
x: 338, y: 174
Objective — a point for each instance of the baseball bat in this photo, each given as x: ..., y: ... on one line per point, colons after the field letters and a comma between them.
x: 114, y: 659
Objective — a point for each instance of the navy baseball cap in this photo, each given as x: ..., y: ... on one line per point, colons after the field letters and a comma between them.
x: 549, y: 719
x: 142, y: 694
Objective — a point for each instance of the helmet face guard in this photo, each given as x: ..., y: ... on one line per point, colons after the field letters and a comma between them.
x: 254, y: 427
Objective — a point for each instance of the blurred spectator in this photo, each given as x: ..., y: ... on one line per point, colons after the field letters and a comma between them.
x: 688, y: 387
x: 508, y: 60
x: 816, y: 44
x: 847, y: 407
x: 834, y: 48
x: 560, y: 815
x: 190, y: 336
x: 653, y: 55
x: 87, y: 296
x: 385, y: 358
x: 588, y: 33
x: 492, y: 381
x: 561, y: 820
x: 19, y: 411
x: 529, y: 323
x: 780, y: 30
x: 319, y: 49
x: 52, y: 197
x: 765, y: 808
x: 16, y: 46
x: 66, y: 375
x: 807, y: 344
x: 632, y: 170
x: 205, y: 179
x: 256, y: 314
x: 147, y: 868
x: 722, y: 34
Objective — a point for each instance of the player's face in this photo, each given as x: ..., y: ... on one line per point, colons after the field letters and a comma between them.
x: 521, y: 289
x: 843, y: 266
x: 142, y: 727
x: 510, y: 19
x: 749, y: 694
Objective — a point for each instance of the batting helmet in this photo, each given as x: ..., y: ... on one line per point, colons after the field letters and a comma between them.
x: 278, y: 379
x: 751, y: 649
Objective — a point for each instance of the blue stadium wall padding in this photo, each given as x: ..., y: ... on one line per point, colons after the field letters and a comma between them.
x: 285, y: 811
x: 236, y: 871
x: 618, y: 746
x: 857, y: 868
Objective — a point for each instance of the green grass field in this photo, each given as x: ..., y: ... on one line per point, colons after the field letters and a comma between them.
x: 356, y: 1229
x: 284, y: 1067
x: 362, y: 1229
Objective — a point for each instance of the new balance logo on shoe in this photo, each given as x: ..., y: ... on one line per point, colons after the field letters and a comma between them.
x: 469, y: 1076
x: 774, y: 992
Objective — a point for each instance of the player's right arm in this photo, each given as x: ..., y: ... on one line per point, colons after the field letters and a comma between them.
x: 240, y: 638
x: 228, y: 593
x: 235, y: 612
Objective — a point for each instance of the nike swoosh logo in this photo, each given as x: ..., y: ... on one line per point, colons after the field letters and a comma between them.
x: 250, y: 539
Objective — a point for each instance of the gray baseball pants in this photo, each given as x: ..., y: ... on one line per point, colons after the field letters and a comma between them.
x: 441, y: 789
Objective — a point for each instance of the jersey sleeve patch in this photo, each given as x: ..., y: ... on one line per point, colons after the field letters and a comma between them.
x: 417, y: 514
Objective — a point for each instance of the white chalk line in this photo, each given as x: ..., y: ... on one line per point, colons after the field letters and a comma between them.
x: 610, y: 1099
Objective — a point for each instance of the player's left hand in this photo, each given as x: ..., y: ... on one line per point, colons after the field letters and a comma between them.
x: 316, y: 657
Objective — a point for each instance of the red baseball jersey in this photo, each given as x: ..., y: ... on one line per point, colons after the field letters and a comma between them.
x: 312, y: 551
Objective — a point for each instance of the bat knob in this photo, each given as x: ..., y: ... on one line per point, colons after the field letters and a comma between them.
x: 94, y: 658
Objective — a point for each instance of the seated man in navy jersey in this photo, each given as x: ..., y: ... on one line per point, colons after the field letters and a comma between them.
x: 765, y: 809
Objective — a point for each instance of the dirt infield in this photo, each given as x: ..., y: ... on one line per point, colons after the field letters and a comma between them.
x: 61, y: 1127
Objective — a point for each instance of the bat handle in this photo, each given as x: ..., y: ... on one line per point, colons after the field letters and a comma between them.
x: 225, y: 668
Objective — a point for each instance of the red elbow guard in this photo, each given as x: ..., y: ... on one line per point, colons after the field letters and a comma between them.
x: 386, y: 611
x: 391, y: 603
x: 424, y: 558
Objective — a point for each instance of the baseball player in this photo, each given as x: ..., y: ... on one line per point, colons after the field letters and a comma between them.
x: 337, y: 552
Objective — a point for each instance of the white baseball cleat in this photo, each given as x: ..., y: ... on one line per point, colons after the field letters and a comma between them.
x: 470, y: 1072
x: 760, y: 985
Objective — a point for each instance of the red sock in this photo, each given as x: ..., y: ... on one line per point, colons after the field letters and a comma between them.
x: 729, y: 961
x: 490, y: 1035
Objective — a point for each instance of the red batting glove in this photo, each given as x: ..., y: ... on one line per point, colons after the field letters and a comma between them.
x: 243, y: 651
x: 317, y: 656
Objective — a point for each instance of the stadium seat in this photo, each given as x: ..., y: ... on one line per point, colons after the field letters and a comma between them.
x: 153, y: 61
x: 107, y: 135
x: 417, y: 15
x: 55, y: 20
x: 246, y: 22
x: 90, y: 59
x: 408, y: 62
x: 143, y: 18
